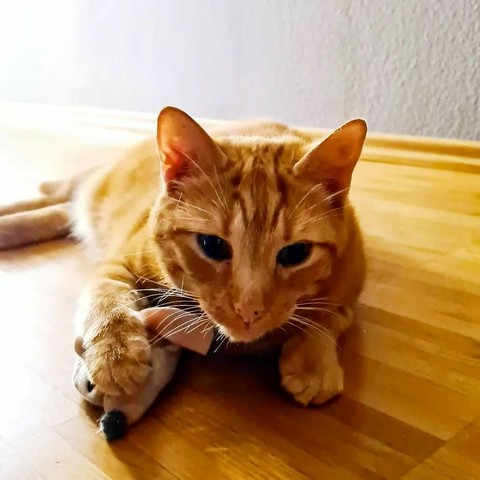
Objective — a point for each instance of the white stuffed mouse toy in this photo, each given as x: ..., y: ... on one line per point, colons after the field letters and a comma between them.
x: 120, y: 411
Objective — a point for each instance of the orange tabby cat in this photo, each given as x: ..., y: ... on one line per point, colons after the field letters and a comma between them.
x: 254, y: 223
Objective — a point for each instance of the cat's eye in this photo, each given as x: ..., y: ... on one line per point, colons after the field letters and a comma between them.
x: 214, y: 247
x: 294, y: 254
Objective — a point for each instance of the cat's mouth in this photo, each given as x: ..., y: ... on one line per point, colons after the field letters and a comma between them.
x: 236, y: 330
x: 241, y: 336
x: 244, y: 333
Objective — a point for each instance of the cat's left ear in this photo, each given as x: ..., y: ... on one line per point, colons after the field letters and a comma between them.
x: 332, y: 161
x: 185, y: 147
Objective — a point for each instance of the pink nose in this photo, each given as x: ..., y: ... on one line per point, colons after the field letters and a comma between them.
x: 249, y: 313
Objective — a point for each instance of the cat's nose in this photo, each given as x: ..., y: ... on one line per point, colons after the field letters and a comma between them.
x: 249, y: 313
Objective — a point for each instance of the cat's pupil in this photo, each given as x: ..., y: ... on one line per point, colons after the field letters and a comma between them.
x: 214, y: 247
x: 294, y: 254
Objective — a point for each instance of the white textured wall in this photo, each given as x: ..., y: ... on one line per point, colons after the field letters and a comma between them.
x: 408, y: 66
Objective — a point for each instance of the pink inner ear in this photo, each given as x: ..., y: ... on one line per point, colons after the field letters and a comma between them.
x: 176, y: 165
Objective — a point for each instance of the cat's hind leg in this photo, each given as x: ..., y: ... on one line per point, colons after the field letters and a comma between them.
x: 39, y: 219
x: 34, y: 226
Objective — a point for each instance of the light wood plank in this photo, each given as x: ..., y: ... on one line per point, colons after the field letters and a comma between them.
x: 458, y: 459
x: 53, y: 457
x: 14, y: 465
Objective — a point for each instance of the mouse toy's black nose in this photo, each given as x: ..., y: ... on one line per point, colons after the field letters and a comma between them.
x: 113, y: 424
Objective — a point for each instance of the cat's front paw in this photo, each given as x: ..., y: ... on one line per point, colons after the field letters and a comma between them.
x: 118, y: 362
x: 312, y: 375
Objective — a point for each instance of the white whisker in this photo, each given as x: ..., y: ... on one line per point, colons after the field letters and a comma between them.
x: 206, y: 330
x: 339, y: 192
x: 309, y: 323
x: 223, y: 193
x: 299, y: 327
x: 211, y: 183
x: 328, y: 214
x: 303, y: 198
x: 178, y: 202
x: 223, y: 338
x: 319, y: 303
x: 139, y: 253
x: 196, y: 207
x: 150, y: 280
x: 185, y: 327
x: 176, y: 329
x: 320, y: 309
x: 177, y: 314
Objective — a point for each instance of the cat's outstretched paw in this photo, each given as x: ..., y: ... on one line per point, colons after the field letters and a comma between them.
x: 118, y: 362
x: 312, y: 375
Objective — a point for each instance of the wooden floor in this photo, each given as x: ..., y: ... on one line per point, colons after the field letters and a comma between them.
x: 411, y: 407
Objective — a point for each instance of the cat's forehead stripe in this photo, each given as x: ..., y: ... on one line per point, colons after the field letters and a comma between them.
x: 277, y: 156
x: 282, y: 198
x: 258, y: 188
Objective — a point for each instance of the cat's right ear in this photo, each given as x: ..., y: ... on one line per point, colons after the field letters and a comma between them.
x: 332, y: 161
x: 185, y: 147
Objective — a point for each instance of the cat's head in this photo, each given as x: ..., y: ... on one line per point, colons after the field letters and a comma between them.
x: 251, y: 224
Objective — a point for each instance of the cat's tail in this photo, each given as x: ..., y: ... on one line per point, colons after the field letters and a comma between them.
x: 37, y: 220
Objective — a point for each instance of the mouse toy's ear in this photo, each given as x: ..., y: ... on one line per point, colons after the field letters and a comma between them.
x: 86, y: 388
x: 185, y: 148
x: 78, y: 345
